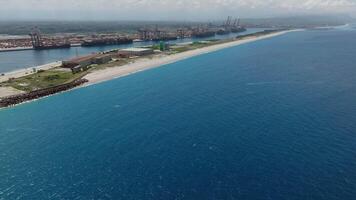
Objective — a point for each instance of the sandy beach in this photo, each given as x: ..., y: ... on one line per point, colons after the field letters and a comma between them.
x: 27, y: 71
x: 145, y: 64
x: 8, y: 91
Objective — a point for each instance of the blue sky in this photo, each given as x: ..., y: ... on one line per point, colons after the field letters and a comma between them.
x: 168, y: 9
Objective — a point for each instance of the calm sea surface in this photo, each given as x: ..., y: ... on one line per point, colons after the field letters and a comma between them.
x: 14, y: 60
x: 273, y: 119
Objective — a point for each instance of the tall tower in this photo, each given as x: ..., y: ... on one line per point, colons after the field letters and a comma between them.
x: 36, y: 38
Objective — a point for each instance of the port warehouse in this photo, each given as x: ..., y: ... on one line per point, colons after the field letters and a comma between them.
x: 83, y: 63
x: 129, y: 52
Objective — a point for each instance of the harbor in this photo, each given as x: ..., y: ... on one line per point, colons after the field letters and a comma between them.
x: 15, y: 60
x: 39, y: 48
x: 99, y: 67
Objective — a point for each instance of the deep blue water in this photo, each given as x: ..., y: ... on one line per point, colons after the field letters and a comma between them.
x: 14, y: 60
x: 273, y: 119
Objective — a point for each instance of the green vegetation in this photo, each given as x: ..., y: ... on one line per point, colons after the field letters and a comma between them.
x: 201, y: 44
x: 116, y: 63
x: 197, y: 45
x: 179, y: 49
x: 54, y: 77
x: 43, y: 79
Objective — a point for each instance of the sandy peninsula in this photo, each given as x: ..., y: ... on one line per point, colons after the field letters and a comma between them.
x: 137, y: 65
x: 145, y: 63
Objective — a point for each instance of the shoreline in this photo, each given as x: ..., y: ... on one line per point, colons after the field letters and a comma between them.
x: 142, y: 64
x: 26, y: 71
x: 139, y: 65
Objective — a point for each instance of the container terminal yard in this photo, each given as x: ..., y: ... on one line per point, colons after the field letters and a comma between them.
x: 39, y: 41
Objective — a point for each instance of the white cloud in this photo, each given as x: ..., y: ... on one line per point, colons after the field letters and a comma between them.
x: 177, y: 9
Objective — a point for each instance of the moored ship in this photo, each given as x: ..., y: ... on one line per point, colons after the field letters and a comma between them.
x: 223, y: 32
x: 203, y: 34
x: 52, y: 46
x: 102, y: 42
x: 165, y: 38
x: 238, y: 29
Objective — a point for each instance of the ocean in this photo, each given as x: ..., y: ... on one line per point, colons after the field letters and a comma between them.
x: 15, y: 60
x: 273, y: 119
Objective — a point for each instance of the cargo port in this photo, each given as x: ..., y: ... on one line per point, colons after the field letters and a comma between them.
x: 39, y: 41
x: 230, y: 26
x: 39, y: 44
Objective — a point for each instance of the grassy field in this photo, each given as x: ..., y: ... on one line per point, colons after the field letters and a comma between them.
x: 196, y: 45
x: 116, y: 63
x: 53, y: 77
x: 41, y: 80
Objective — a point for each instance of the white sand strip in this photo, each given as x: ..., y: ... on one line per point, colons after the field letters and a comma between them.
x: 9, y: 91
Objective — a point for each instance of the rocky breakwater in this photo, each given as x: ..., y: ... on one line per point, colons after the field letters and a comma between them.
x: 16, y: 99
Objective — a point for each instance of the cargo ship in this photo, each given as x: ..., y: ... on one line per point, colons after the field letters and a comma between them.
x: 103, y: 42
x: 203, y: 34
x: 52, y: 46
x: 165, y: 38
x: 223, y: 32
x: 238, y: 29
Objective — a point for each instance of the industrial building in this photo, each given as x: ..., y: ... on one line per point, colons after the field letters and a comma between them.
x: 102, y: 59
x: 129, y: 52
x: 82, y: 63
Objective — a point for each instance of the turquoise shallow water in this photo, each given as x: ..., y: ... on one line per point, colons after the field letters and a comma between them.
x: 273, y: 119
